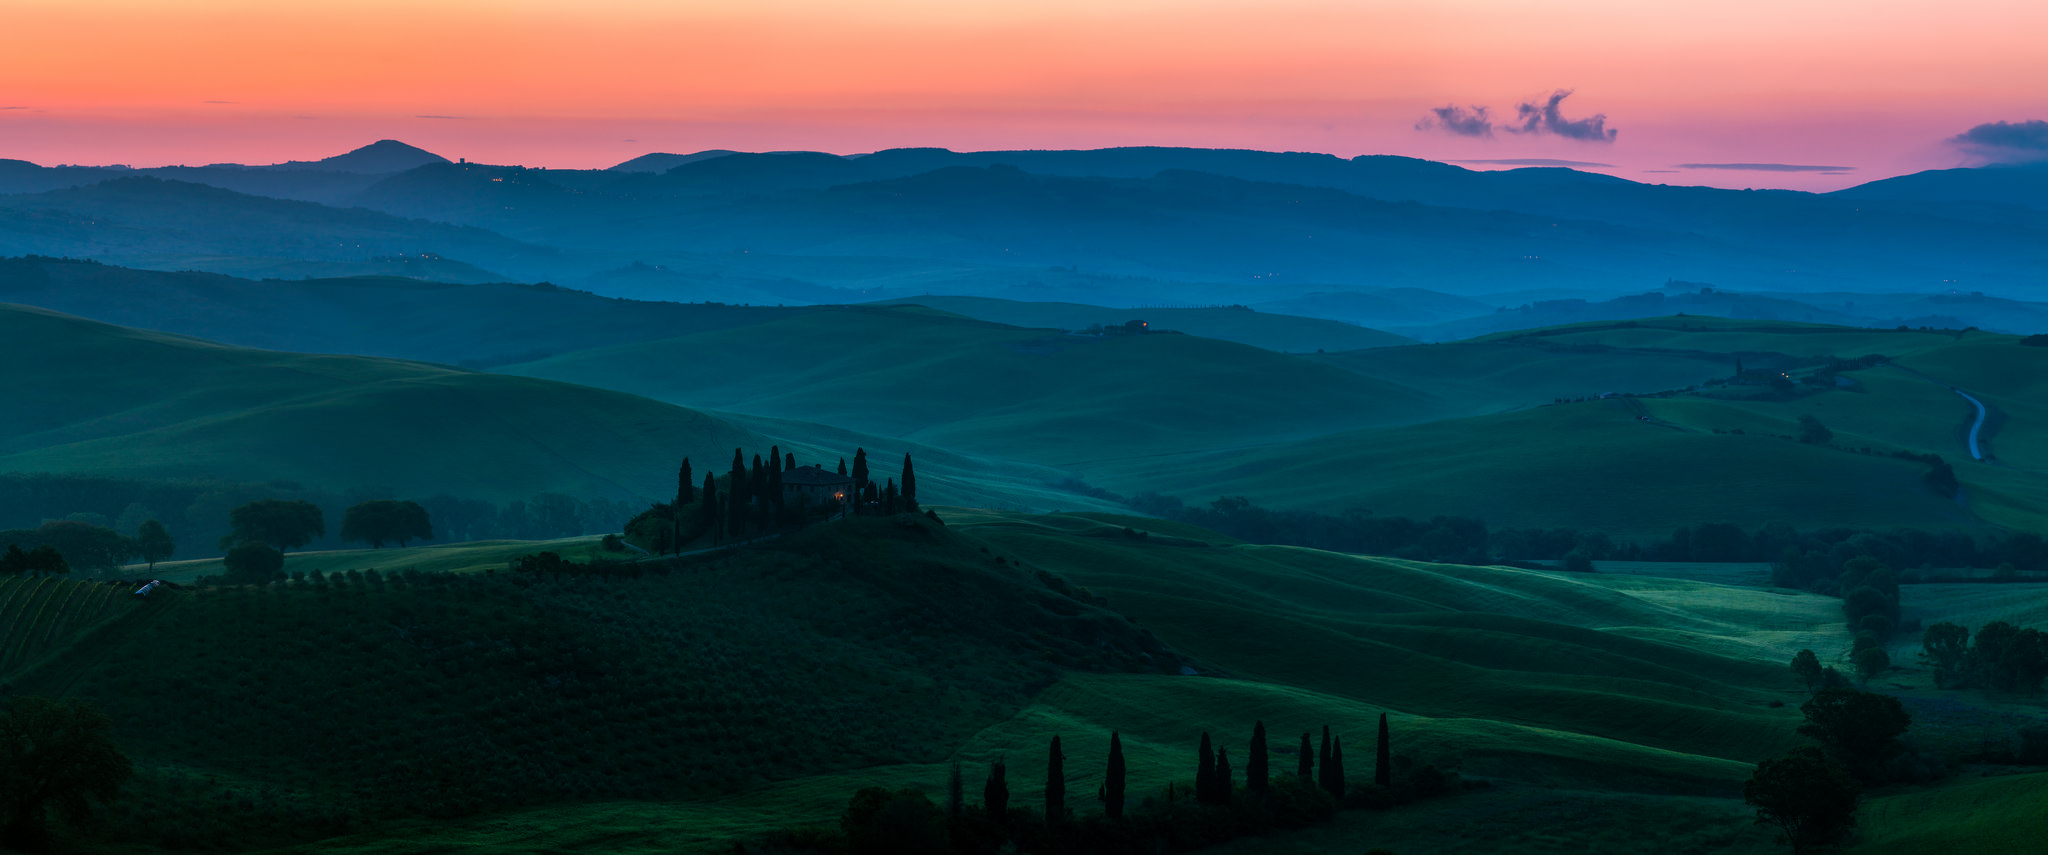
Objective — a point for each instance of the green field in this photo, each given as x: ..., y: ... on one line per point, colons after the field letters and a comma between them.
x: 42, y: 616
x: 1593, y: 464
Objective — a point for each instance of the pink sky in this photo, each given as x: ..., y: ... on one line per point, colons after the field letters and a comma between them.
x: 1873, y: 85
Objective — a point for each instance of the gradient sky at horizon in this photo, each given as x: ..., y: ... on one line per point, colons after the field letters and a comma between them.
x: 1878, y: 86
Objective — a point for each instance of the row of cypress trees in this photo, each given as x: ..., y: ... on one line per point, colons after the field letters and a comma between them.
x: 1214, y: 777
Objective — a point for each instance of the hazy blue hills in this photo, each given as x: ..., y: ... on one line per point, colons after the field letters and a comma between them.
x: 387, y: 316
x: 664, y: 161
x: 1233, y: 226
x: 153, y: 222
x: 2025, y: 185
x: 1945, y: 311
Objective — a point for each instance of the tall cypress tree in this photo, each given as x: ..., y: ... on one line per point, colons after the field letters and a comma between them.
x: 788, y: 461
x: 775, y: 480
x: 736, y: 496
x: 956, y: 795
x: 995, y: 795
x: 909, y: 486
x: 1205, y: 773
x: 1255, y: 772
x: 1323, y: 761
x: 1383, y: 759
x: 860, y: 472
x: 683, y: 497
x: 1113, y: 782
x: 889, y: 495
x: 1307, y: 759
x: 1337, y: 769
x: 1055, y: 785
x: 1222, y: 780
x: 710, y: 508
x: 842, y: 466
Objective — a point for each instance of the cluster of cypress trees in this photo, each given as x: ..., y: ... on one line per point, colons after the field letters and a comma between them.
x: 887, y: 498
x: 754, y: 504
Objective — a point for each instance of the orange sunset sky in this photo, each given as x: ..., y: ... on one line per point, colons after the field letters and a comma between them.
x: 1877, y: 86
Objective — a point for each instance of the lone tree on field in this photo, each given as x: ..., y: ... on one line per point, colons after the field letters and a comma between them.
x: 1807, y: 668
x: 1113, y: 781
x: 378, y: 521
x: 1055, y: 785
x: 153, y: 542
x: 1809, y: 797
x: 1861, y: 729
x: 281, y: 523
x: 1812, y: 432
x: 253, y: 563
x: 1255, y: 771
x: 55, y: 757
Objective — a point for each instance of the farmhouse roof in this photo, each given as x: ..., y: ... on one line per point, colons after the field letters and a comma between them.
x: 812, y: 476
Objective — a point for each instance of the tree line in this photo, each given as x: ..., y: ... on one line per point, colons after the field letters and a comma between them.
x: 194, y: 511
x: 1811, y: 558
x: 1176, y: 818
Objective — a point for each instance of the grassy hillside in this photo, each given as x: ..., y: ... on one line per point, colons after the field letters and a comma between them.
x: 1732, y: 336
x: 366, y: 316
x: 1995, y: 816
x: 616, y: 711
x: 110, y: 400
x: 1593, y: 464
x: 1492, y: 376
x: 1033, y: 395
x: 673, y: 711
x: 1272, y: 331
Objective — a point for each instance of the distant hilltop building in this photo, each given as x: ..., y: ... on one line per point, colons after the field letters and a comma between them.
x: 811, y: 486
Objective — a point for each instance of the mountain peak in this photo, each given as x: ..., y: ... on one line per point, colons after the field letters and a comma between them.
x: 382, y: 156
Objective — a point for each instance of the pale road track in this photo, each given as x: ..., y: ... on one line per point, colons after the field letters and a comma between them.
x: 1977, y: 426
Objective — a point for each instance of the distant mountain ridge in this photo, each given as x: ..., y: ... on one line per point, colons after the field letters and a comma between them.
x: 1235, y: 226
x: 378, y: 158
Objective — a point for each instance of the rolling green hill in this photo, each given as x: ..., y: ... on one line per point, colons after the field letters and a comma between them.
x: 1285, y: 333
x: 1593, y: 464
x: 1033, y: 395
x: 477, y: 323
x: 101, y: 399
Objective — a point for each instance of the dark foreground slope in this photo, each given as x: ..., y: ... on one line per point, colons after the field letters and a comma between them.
x: 737, y: 693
